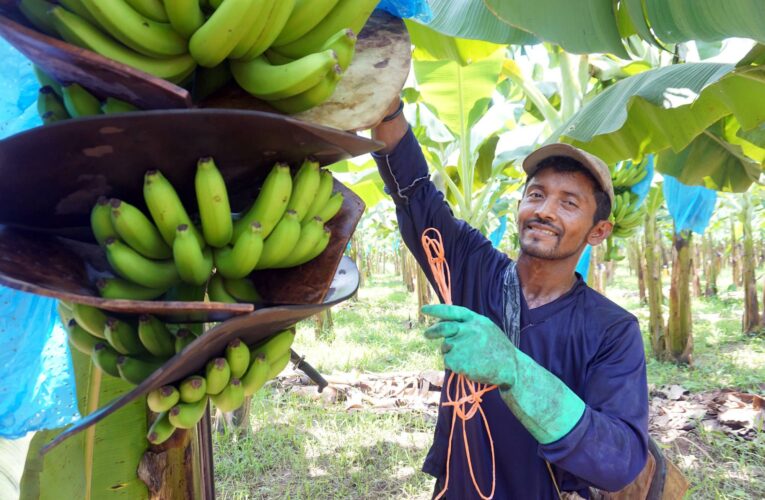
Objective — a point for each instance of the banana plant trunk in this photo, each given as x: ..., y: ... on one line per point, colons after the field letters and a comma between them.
x: 695, y: 267
x: 636, y: 262
x: 679, y: 328
x: 654, y: 289
x: 358, y: 259
x: 751, y: 319
x: 408, y: 267
x: 711, y: 266
x: 734, y: 259
x: 423, y: 294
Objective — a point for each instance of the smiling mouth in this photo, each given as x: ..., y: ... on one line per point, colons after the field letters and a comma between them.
x: 548, y: 232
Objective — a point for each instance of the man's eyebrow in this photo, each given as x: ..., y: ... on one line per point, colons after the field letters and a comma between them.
x: 573, y: 194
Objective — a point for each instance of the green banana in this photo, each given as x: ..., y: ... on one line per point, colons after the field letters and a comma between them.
x: 194, y: 264
x: 214, y: 208
x: 304, y: 17
x: 193, y: 389
x: 275, y: 346
x: 278, y: 14
x: 239, y: 261
x: 214, y: 4
x: 344, y: 44
x: 320, y: 247
x: 186, y: 415
x: 153, y: 9
x: 333, y: 205
x: 117, y: 288
x: 207, y: 81
x: 322, y: 195
x: 161, y: 429
x: 312, y: 97
x: 183, y: 292
x: 230, y: 398
x: 80, y: 339
x: 77, y: 31
x: 135, y: 229
x: 281, y: 242
x: 136, y: 268
x: 347, y: 14
x: 90, y: 318
x: 304, y: 187
x: 242, y: 290
x: 276, y: 58
x: 185, y: 16
x: 216, y: 291
x: 46, y: 80
x: 217, y: 374
x: 212, y: 43
x: 50, y: 117
x: 155, y: 337
x: 123, y: 337
x: 256, y: 375
x: 65, y: 313
x: 271, y: 202
x: 144, y: 35
x: 49, y: 102
x: 105, y: 358
x: 79, y: 102
x: 183, y: 338
x: 101, y: 221
x: 165, y: 207
x: 266, y: 81
x: 310, y: 234
x: 135, y: 370
x: 77, y: 7
x: 254, y: 31
x: 163, y: 398
x: 113, y: 106
x: 238, y: 357
x: 36, y: 12
x: 278, y: 365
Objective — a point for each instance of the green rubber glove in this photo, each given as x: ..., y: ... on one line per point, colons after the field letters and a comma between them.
x: 476, y: 348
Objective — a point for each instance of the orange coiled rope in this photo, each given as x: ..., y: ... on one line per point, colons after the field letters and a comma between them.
x: 466, y: 392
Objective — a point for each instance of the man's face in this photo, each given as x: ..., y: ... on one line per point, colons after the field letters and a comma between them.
x: 555, y: 214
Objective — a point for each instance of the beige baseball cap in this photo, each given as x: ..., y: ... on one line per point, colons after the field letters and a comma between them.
x: 595, y: 165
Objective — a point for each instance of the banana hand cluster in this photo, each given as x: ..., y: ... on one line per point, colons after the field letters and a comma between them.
x: 291, y: 53
x: 57, y: 102
x: 226, y: 381
x: 123, y: 347
x: 169, y: 255
x: 627, y: 215
x: 628, y: 174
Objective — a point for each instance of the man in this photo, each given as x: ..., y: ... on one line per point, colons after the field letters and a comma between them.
x: 569, y: 364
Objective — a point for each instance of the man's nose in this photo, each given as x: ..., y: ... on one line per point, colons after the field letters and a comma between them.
x: 546, y: 209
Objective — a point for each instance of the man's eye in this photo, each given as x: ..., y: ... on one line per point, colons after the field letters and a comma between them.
x: 571, y: 204
x: 535, y: 195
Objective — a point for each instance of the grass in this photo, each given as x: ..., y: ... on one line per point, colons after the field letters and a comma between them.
x: 303, y: 448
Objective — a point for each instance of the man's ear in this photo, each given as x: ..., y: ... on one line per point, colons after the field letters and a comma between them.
x: 600, y: 232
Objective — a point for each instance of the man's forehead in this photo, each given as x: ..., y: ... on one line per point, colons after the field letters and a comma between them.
x: 575, y: 183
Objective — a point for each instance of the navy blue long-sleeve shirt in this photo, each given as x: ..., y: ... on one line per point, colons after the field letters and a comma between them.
x: 590, y: 343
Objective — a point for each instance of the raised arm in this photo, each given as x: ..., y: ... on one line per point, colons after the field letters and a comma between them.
x: 473, y: 262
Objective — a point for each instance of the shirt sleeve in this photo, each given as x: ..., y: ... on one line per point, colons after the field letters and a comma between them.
x: 608, y: 447
x: 475, y: 265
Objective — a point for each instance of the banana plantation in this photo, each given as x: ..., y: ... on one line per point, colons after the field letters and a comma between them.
x: 382, y: 249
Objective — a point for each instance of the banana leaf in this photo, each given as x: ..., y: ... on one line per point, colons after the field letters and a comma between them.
x: 432, y: 45
x: 588, y: 26
x: 472, y: 19
x: 100, y: 463
x: 667, y: 108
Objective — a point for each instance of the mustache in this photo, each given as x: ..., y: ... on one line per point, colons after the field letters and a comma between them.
x: 541, y: 222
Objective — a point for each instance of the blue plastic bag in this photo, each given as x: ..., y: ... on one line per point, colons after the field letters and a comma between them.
x: 405, y: 9
x: 496, y: 236
x: 39, y: 389
x: 583, y: 266
x: 691, y: 207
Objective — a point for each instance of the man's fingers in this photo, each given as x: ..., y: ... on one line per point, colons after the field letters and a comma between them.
x: 445, y: 347
x: 445, y: 329
x: 447, y: 312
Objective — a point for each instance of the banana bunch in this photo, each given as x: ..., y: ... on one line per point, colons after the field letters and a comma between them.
x: 169, y: 255
x: 627, y: 214
x: 226, y: 382
x: 124, y: 347
x: 628, y: 174
x: 57, y: 102
x: 290, y: 53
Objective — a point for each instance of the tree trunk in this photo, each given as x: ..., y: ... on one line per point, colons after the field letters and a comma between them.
x: 423, y: 294
x: 695, y: 270
x: 653, y: 271
x: 323, y: 324
x: 637, y: 253
x: 734, y: 259
x: 679, y: 328
x: 358, y: 258
x: 751, y: 319
x: 711, y: 267
x: 408, y: 268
